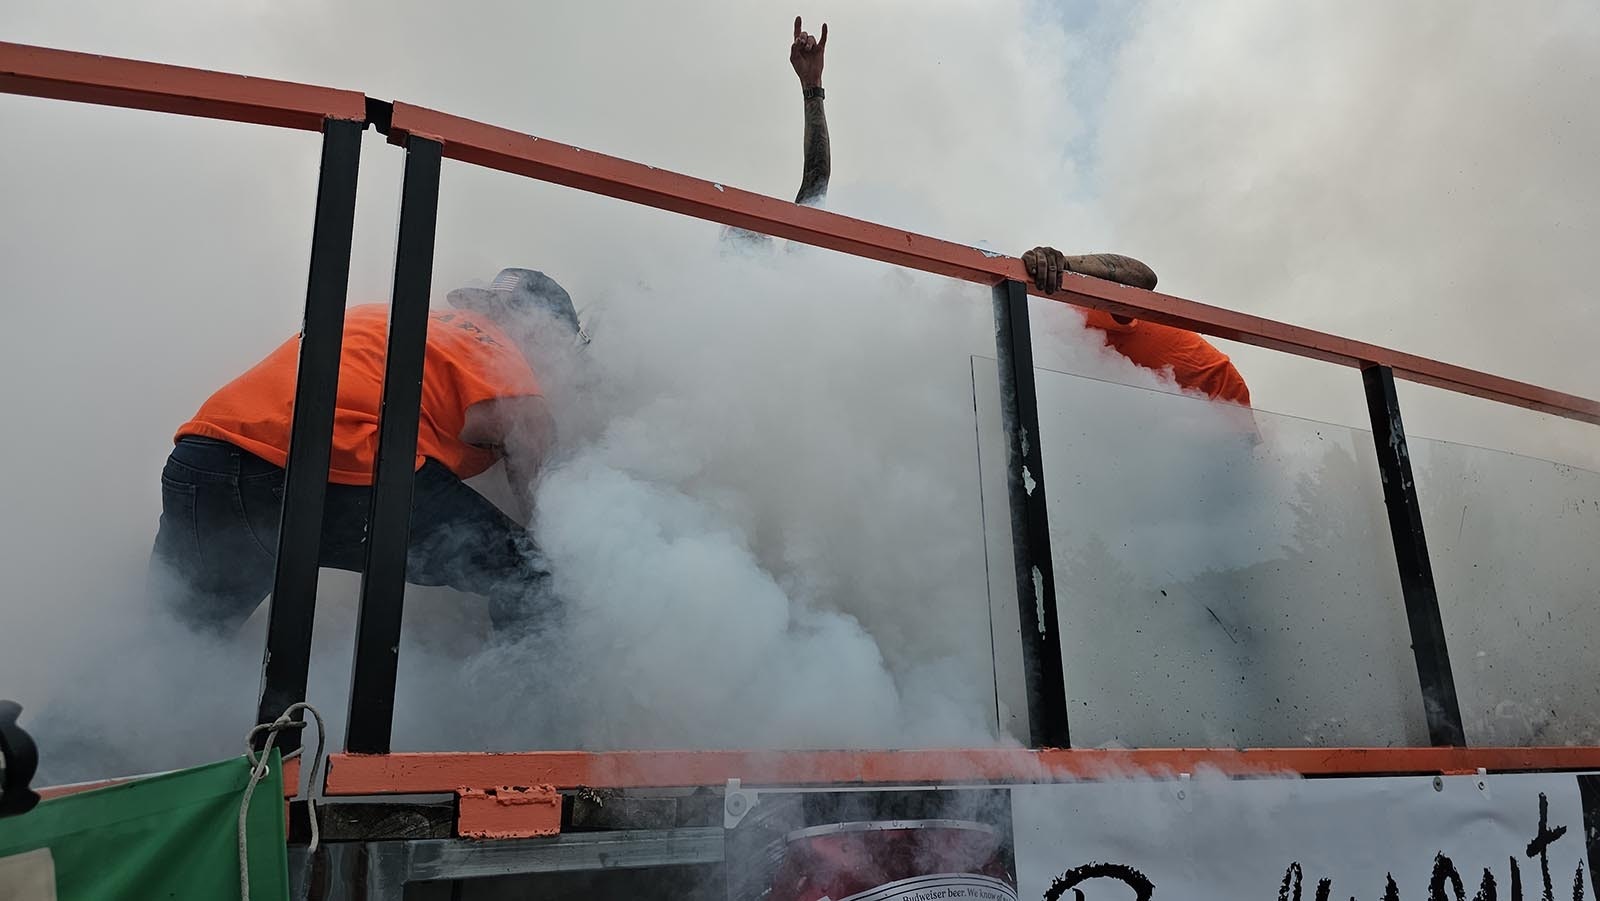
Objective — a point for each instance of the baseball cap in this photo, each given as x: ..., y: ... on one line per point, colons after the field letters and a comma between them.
x: 523, y: 291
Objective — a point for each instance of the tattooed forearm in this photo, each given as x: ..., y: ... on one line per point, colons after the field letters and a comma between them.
x: 818, y: 161
x: 1114, y: 267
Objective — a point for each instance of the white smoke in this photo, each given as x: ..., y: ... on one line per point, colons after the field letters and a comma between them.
x: 783, y: 481
x: 1416, y: 176
x: 765, y: 511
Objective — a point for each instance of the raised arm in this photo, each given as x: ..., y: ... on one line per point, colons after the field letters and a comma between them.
x: 805, y: 54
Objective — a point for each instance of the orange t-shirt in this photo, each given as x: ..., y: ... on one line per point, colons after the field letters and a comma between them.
x: 468, y: 360
x: 1195, y: 363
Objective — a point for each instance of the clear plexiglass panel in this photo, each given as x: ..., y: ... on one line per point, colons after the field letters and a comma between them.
x: 1224, y: 578
x: 1513, y: 542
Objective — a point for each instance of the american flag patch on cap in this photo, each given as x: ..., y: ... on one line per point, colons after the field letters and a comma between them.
x: 507, y: 280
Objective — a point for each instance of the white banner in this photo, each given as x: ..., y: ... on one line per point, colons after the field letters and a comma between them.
x: 940, y: 887
x: 1493, y: 838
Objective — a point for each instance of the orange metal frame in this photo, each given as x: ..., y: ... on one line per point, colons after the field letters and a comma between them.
x: 64, y: 75
x: 400, y: 773
x: 513, y: 794
x: 110, y: 81
x: 521, y: 154
x: 517, y: 795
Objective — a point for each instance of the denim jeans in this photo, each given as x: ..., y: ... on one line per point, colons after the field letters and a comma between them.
x: 218, y: 539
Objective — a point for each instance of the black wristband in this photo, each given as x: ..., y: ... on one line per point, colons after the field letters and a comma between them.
x: 815, y: 93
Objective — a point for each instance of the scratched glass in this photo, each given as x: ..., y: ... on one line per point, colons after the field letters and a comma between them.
x: 1222, y: 579
x: 1513, y: 541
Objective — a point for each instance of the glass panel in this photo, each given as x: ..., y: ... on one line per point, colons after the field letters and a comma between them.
x: 141, y: 272
x: 1221, y: 582
x: 763, y: 515
x: 1513, y: 542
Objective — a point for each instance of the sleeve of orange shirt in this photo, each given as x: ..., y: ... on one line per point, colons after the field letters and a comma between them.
x: 1226, y: 384
x: 477, y: 361
x: 470, y: 360
x: 1195, y: 363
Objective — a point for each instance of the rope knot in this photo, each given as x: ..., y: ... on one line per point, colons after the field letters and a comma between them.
x: 260, y: 769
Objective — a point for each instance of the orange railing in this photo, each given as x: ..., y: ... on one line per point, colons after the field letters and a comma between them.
x: 87, y: 78
x: 107, y: 80
x: 526, y: 155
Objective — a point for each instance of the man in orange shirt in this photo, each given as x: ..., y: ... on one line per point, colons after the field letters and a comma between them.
x: 1195, y: 363
x: 222, y: 489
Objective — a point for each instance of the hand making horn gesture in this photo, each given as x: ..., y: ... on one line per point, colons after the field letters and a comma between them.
x: 805, y: 54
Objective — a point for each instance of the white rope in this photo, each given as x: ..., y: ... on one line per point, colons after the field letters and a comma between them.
x: 259, y: 770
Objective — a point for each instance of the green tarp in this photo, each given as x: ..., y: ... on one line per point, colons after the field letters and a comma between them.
x: 173, y: 836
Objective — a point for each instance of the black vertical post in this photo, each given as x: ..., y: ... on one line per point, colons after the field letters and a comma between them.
x: 1030, y: 527
x: 1440, y: 706
x: 383, y: 579
x: 294, y: 587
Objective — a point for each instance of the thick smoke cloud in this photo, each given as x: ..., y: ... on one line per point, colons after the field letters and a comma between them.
x: 765, y: 506
x: 1416, y: 176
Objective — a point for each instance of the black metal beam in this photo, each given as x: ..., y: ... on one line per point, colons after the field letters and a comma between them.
x: 1440, y: 706
x: 374, y: 819
x: 628, y: 849
x: 293, y: 607
x: 383, y: 579
x: 1030, y: 526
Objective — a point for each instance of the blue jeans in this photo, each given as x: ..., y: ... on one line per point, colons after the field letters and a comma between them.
x: 218, y: 538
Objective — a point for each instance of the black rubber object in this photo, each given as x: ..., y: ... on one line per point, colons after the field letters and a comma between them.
x: 19, y: 760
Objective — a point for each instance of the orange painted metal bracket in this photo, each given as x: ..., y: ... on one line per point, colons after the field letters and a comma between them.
x: 521, y: 154
x: 358, y: 774
x: 112, y: 81
x: 509, y: 812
